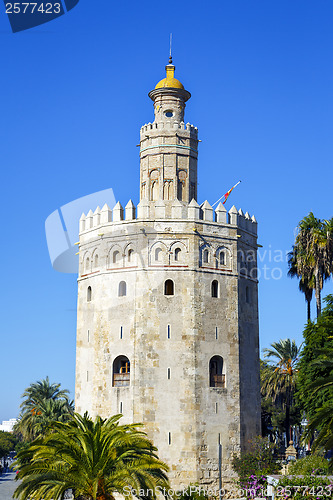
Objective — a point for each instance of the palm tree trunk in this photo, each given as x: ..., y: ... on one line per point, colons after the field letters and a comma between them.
x: 318, y: 293
x: 288, y: 415
x: 287, y: 423
x: 309, y: 309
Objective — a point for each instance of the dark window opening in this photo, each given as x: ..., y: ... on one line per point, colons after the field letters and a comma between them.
x: 216, y: 377
x: 169, y: 287
x: 215, y: 289
x: 122, y: 289
x: 205, y: 257
x: 222, y: 259
x: 177, y: 254
x: 89, y: 294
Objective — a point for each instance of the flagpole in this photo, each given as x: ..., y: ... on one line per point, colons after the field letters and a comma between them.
x: 224, y: 194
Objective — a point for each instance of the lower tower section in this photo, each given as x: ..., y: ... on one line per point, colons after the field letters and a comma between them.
x: 168, y: 330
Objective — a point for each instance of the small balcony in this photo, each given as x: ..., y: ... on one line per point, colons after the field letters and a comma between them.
x: 217, y: 381
x: 121, y: 379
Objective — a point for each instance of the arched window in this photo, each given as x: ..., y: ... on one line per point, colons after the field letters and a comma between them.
x: 121, y: 372
x: 216, y: 377
x: 205, y: 257
x: 169, y: 287
x: 116, y: 256
x: 87, y: 264
x: 96, y: 260
x: 130, y: 255
x: 122, y: 289
x: 154, y: 190
x: 215, y: 289
x: 158, y: 254
x: 177, y: 254
x: 168, y: 190
x: 180, y: 193
x: 89, y: 294
x: 222, y: 258
x: 247, y: 295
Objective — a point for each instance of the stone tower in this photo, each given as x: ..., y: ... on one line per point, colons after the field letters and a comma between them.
x: 167, y: 330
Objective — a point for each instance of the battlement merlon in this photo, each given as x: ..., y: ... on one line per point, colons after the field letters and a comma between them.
x: 169, y: 125
x: 174, y: 210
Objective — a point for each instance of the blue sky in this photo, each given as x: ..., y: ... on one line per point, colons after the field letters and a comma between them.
x: 74, y: 98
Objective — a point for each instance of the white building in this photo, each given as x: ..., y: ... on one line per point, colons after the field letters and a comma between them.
x: 7, y: 425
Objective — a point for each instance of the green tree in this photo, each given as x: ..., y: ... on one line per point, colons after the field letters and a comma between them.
x: 257, y: 462
x: 306, y: 280
x: 44, y: 403
x: 311, y: 464
x: 321, y: 423
x: 7, y: 443
x: 273, y: 413
x: 312, y: 259
x: 40, y: 391
x: 280, y: 381
x: 94, y: 458
x: 315, y: 391
x: 318, y: 339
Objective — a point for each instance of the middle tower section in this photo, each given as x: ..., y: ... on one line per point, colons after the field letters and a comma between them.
x: 168, y: 150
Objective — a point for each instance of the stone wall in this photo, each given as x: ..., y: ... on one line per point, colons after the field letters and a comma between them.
x: 170, y: 339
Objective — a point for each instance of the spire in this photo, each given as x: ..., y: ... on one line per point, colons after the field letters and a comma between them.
x: 170, y: 55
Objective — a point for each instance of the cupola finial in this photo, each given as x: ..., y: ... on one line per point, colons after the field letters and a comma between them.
x: 170, y: 56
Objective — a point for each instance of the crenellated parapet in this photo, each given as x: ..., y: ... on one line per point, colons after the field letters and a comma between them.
x: 161, y: 210
x: 169, y: 125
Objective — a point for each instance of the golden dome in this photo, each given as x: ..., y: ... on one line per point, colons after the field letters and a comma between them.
x: 170, y: 81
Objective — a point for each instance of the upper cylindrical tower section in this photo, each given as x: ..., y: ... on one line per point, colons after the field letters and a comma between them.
x: 169, y: 97
x: 168, y: 146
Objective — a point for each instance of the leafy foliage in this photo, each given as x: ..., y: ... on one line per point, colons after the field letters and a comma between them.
x: 306, y: 279
x: 298, y: 488
x: 273, y: 414
x: 312, y: 256
x: 318, y: 341
x: 44, y: 404
x: 312, y: 464
x: 278, y: 381
x: 316, y: 378
x: 7, y: 443
x: 94, y: 458
x: 258, y: 461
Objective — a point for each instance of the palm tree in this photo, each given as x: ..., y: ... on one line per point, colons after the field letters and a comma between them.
x: 94, y: 458
x: 36, y: 422
x: 281, y: 382
x: 313, y: 254
x: 44, y: 403
x: 306, y: 281
x: 41, y: 390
